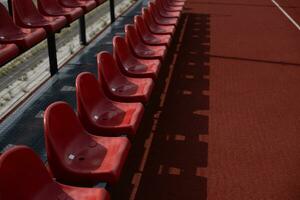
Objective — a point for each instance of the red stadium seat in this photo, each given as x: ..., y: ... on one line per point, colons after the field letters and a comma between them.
x: 132, y: 66
x: 23, y: 37
x: 26, y: 15
x: 165, y: 12
x: 99, y: 2
x: 148, y: 37
x: 24, y: 176
x: 53, y: 8
x: 171, y: 7
x: 76, y: 156
x: 154, y: 27
x: 7, y: 52
x: 86, y: 5
x: 139, y: 48
x: 119, y: 87
x: 158, y: 18
x: 172, y: 3
x: 101, y: 116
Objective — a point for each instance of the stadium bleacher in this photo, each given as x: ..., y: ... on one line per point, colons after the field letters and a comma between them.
x: 91, y: 146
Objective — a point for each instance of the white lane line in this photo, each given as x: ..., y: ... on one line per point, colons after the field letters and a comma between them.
x: 287, y: 15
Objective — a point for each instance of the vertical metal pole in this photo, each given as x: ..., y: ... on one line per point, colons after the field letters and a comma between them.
x: 52, y: 53
x: 82, y: 31
x: 112, y: 10
x: 10, y: 10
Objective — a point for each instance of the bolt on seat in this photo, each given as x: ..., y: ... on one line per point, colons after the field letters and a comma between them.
x: 7, y: 52
x: 148, y: 37
x: 102, y: 116
x: 132, y: 66
x: 26, y: 15
x: 154, y: 27
x: 119, y: 87
x: 158, y: 18
x: 53, y: 8
x: 165, y: 12
x: 76, y: 156
x: 23, y: 37
x: 24, y: 176
x: 139, y: 48
x: 86, y: 5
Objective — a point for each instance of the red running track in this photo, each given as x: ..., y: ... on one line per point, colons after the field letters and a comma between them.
x: 254, y: 126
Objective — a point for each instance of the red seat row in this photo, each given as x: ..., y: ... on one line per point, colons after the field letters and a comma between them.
x: 30, y: 25
x: 24, y: 176
x: 93, y: 145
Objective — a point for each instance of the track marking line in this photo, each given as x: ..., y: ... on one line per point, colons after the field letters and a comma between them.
x: 287, y: 15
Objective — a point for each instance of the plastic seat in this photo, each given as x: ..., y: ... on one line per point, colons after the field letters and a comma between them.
x: 26, y: 15
x: 53, y: 8
x: 131, y: 65
x: 76, y: 156
x: 100, y: 115
x: 86, y: 5
x: 119, y: 87
x: 99, y: 2
x: 158, y: 18
x: 154, y: 27
x: 165, y: 12
x: 7, y: 52
x: 140, y: 49
x: 171, y: 6
x: 148, y: 37
x: 172, y: 3
x: 24, y: 176
x: 23, y: 37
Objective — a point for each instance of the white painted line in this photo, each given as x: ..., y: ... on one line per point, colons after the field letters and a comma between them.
x: 287, y: 15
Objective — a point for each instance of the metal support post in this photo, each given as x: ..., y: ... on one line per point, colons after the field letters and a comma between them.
x: 10, y: 10
x: 112, y: 10
x: 52, y: 53
x: 82, y: 30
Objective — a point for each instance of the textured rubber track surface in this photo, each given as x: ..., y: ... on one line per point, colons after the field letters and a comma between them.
x: 230, y: 127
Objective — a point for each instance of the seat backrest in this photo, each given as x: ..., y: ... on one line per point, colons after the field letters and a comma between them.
x: 159, y: 4
x: 108, y: 70
x: 6, y: 23
x: 140, y: 25
x: 61, y: 124
x: 121, y: 50
x: 48, y: 5
x: 23, y: 175
x: 148, y: 17
x: 132, y: 37
x: 153, y: 9
x: 24, y: 12
x: 62, y: 131
x: 89, y: 93
x: 70, y: 2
